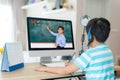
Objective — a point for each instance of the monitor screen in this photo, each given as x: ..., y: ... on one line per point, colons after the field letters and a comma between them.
x: 49, y: 34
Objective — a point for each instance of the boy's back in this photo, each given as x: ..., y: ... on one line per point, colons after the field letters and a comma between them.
x: 101, y: 64
x: 97, y: 62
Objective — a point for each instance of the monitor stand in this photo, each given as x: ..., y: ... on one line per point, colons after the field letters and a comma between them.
x: 44, y: 60
x: 65, y: 57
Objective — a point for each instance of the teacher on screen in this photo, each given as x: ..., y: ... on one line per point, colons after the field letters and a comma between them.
x: 60, y: 38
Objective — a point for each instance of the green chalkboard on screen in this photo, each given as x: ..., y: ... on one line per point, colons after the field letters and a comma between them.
x: 37, y: 31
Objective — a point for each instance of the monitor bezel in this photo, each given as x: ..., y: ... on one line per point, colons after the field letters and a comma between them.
x: 28, y: 34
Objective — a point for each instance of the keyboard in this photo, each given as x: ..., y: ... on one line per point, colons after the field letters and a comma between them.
x: 56, y: 64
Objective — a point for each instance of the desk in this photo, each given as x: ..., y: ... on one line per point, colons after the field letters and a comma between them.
x: 117, y: 70
x: 28, y: 73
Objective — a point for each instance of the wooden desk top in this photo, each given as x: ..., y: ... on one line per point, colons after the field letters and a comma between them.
x: 27, y: 73
x: 117, y: 68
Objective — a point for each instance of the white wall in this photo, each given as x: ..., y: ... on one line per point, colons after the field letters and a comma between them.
x: 115, y: 25
x: 97, y: 8
x: 80, y: 12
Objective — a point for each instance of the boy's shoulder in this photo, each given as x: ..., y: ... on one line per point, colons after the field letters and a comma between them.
x: 96, y: 49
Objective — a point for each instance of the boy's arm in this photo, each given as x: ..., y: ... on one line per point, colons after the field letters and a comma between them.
x: 59, y: 70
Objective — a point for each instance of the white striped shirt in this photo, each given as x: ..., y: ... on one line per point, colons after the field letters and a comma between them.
x: 97, y: 62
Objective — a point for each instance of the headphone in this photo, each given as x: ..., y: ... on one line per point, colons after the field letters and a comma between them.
x: 89, y: 34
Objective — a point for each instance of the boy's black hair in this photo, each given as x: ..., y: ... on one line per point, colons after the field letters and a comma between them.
x: 61, y: 27
x: 100, y: 29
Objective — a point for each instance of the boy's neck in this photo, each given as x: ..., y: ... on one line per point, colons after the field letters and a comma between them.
x: 95, y: 43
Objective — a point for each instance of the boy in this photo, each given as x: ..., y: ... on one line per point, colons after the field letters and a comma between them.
x: 97, y: 61
x: 60, y: 38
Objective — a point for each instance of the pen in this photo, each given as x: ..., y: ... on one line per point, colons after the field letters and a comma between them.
x: 71, y: 57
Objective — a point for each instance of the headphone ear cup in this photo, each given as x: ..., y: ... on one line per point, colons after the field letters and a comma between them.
x: 89, y: 35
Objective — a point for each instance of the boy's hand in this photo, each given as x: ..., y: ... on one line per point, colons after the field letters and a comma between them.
x: 40, y: 68
x: 66, y: 63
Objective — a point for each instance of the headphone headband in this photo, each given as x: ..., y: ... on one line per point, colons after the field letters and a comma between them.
x: 89, y: 34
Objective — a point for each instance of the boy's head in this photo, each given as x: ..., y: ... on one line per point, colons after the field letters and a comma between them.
x: 99, y: 29
x: 60, y: 29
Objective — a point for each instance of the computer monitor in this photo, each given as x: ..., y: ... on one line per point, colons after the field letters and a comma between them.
x: 41, y: 42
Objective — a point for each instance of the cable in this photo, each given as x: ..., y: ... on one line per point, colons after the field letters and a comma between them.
x: 82, y: 41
